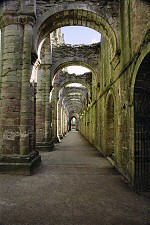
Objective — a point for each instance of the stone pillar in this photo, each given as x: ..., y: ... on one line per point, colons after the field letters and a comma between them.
x: 0, y: 65
x: 40, y: 105
x: 60, y: 120
x: 16, y: 156
x: 11, y: 88
x: 48, y: 128
x: 44, y: 120
x: 64, y: 121
x: 55, y: 115
x: 125, y: 28
x: 25, y: 87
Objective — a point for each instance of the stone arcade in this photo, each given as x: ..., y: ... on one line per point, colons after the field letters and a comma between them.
x: 112, y: 108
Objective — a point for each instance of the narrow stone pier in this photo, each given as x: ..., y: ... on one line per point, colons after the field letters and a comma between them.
x: 75, y: 185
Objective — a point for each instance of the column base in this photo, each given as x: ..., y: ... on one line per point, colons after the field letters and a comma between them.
x: 56, y: 140
x: 61, y: 136
x: 45, y: 146
x: 19, y: 164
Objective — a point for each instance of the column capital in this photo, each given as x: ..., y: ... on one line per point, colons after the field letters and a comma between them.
x: 44, y: 66
x: 8, y: 19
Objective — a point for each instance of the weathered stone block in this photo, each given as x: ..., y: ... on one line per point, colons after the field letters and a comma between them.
x: 21, y: 165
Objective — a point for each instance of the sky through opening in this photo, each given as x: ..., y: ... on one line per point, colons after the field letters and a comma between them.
x: 77, y: 35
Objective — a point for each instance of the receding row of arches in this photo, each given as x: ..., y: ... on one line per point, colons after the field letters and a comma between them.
x: 141, y: 120
x: 110, y: 108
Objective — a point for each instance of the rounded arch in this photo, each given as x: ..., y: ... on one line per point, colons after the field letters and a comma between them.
x: 87, y: 86
x: 75, y: 115
x: 136, y: 66
x: 75, y: 14
x: 111, y: 92
x: 74, y: 96
x: 76, y: 124
x: 142, y: 125
x: 72, y: 62
x: 74, y: 90
x: 144, y: 51
x: 66, y: 82
x: 110, y: 124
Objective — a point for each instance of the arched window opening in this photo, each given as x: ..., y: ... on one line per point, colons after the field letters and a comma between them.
x: 142, y: 126
x: 80, y: 35
x: 73, y: 124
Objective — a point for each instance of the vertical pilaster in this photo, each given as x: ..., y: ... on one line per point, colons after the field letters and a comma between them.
x: 40, y: 105
x: 125, y: 18
x: 60, y: 120
x: 0, y: 84
x: 55, y: 114
x: 48, y: 133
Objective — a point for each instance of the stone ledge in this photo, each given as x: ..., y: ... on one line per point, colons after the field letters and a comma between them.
x: 18, y: 158
x: 45, y: 146
x: 19, y: 165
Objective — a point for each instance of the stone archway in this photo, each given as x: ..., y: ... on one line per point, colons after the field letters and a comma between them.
x: 142, y: 126
x: 77, y: 14
x: 82, y: 55
x: 81, y: 15
x: 73, y: 123
x: 74, y: 103
x: 63, y: 79
x: 110, y: 128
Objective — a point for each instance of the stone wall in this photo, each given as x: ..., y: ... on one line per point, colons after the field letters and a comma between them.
x: 84, y: 55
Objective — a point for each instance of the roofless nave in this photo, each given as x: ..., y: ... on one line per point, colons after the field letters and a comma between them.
x: 112, y: 109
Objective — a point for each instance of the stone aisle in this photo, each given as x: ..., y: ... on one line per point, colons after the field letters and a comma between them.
x: 75, y: 185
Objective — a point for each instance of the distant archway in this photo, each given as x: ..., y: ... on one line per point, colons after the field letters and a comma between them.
x: 78, y: 61
x: 73, y: 123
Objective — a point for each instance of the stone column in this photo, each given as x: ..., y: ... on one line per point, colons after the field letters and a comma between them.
x: 0, y: 65
x: 25, y: 87
x: 64, y: 121
x: 55, y: 114
x: 12, y: 43
x: 43, y: 119
x: 48, y: 129
x: 16, y: 156
x: 40, y: 106
x: 60, y: 120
